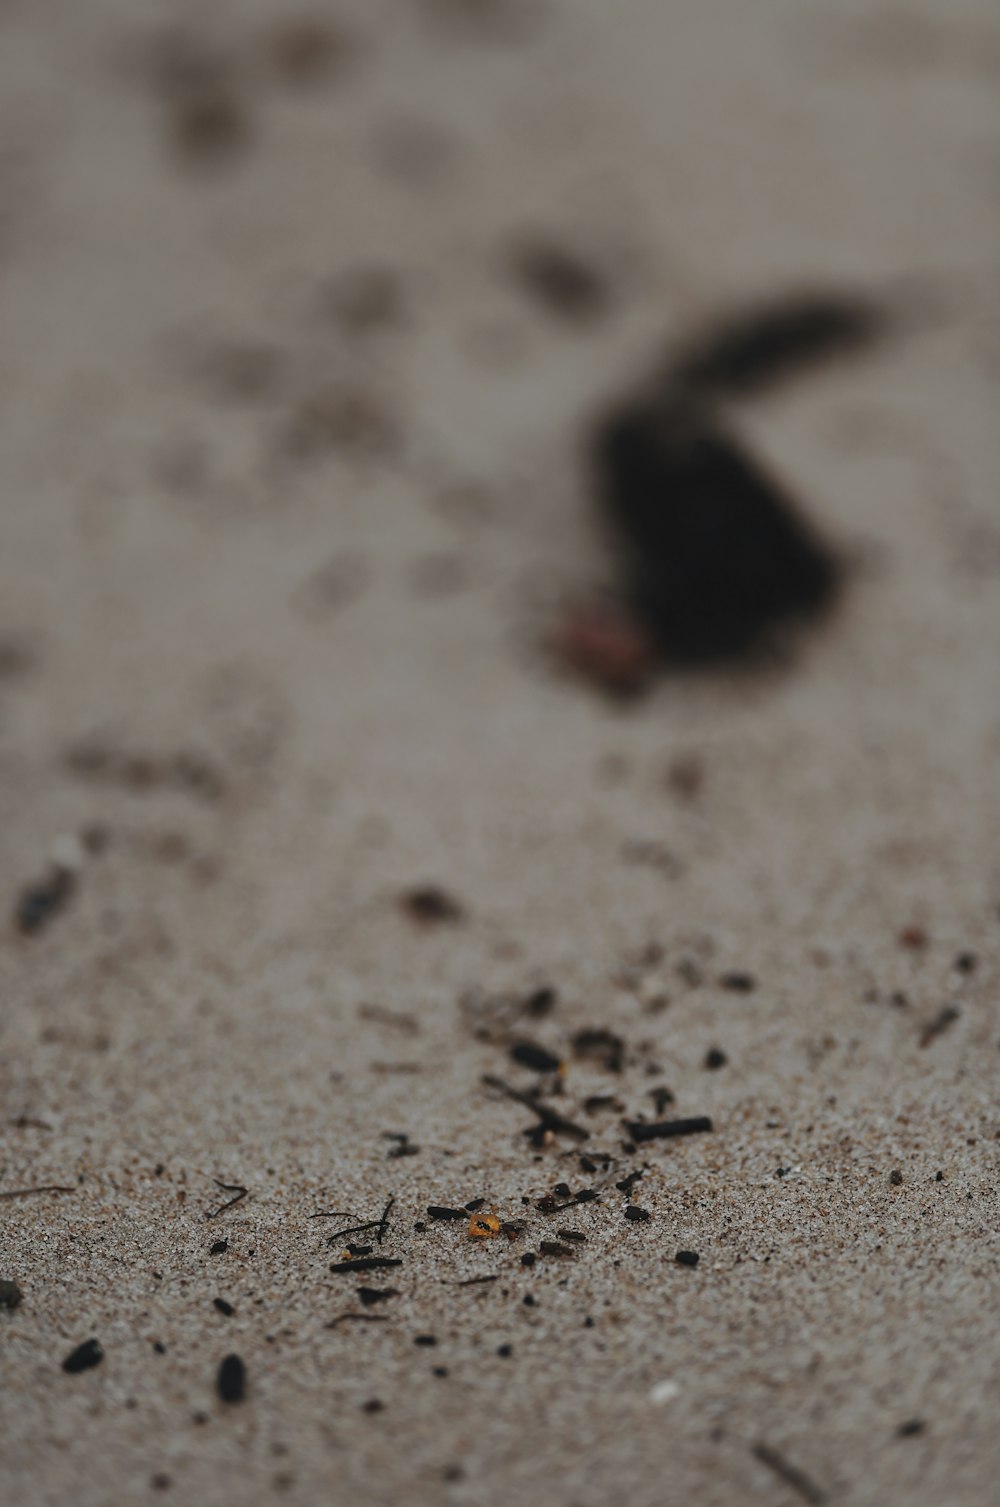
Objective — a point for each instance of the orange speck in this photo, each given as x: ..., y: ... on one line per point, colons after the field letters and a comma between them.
x: 483, y: 1226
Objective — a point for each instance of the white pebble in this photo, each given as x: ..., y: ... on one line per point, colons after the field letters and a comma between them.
x: 664, y: 1391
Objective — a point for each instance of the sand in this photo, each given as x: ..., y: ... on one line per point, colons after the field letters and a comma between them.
x: 281, y: 546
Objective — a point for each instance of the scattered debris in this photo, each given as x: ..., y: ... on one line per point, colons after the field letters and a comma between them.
x: 356, y: 1318
x: 441, y: 1211
x: 555, y: 1248
x: 715, y: 556
x: 84, y: 1358
x: 560, y: 281
x: 231, y: 1382
x: 738, y: 983
x: 662, y: 1130
x: 235, y: 1188
x: 432, y: 906
x: 366, y: 1264
x: 537, y: 1058
x: 911, y: 1427
x: 715, y: 1059
x: 218, y: 1247
x: 602, y: 1046
x: 896, y: 1177
x: 10, y: 1294
x: 29, y: 1192
x: 403, y: 1147
x: 758, y: 348
x: 548, y: 1119
x: 40, y: 903
x: 224, y: 1307
x: 637, y: 1215
x: 369, y: 1296
x: 687, y: 1258
x: 790, y: 1474
x: 945, y: 1017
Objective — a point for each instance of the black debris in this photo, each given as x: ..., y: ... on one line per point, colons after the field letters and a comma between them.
x: 366, y: 1264
x: 431, y: 905
x: 637, y: 1215
x: 966, y: 962
x: 758, y: 348
x: 439, y: 1370
x: 218, y: 1247
x: 403, y: 1146
x: 662, y: 1130
x: 528, y: 1055
x: 586, y: 1196
x: 373, y: 1405
x: 159, y: 1347
x: 945, y: 1017
x: 40, y: 903
x: 548, y: 1119
x: 910, y: 1427
x: 529, y: 1258
x: 600, y: 1045
x: 425, y: 1339
x: 356, y: 1318
x: 687, y: 1258
x: 790, y: 1474
x: 661, y: 1097
x: 479, y: 1281
x: 572, y: 1235
x: 441, y: 1211
x: 714, y: 554
x: 541, y: 1003
x: 559, y: 280
x: 369, y: 1296
x: 84, y: 1358
x: 715, y: 1059
x: 10, y: 1294
x: 235, y: 1188
x: 475, y: 1204
x: 11, y: 1193
x: 896, y: 1177
x: 555, y: 1248
x: 597, y: 1102
x: 505, y: 1351
x: 223, y: 1307
x: 738, y: 983
x: 231, y: 1382
x: 628, y: 1183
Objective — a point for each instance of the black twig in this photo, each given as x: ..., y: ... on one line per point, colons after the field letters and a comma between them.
x: 548, y: 1118
x: 236, y: 1188
x: 27, y: 1192
x: 790, y: 1474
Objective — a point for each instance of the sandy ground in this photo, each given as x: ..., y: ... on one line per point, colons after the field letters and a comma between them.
x: 293, y: 482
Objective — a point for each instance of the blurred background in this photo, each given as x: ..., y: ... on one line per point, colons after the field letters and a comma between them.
x: 309, y: 315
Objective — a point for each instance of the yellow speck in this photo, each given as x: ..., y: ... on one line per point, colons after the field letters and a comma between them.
x: 484, y: 1226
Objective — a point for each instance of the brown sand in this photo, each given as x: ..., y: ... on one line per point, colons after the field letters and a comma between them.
x: 271, y: 590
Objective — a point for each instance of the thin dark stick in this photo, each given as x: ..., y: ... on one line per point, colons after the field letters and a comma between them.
x: 331, y: 1214
x: 477, y: 1281
x: 383, y: 1223
x: 366, y: 1264
x: 236, y: 1188
x: 358, y: 1318
x: 26, y: 1192
x: 790, y: 1474
x: 548, y: 1117
x: 662, y: 1130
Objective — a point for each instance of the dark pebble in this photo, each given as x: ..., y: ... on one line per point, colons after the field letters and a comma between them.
x: 223, y: 1306
x: 715, y: 1059
x: 425, y: 1339
x: 637, y: 1215
x: 84, y: 1357
x: 534, y: 1057
x: 231, y: 1383
x: 687, y: 1258
x: 10, y: 1293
